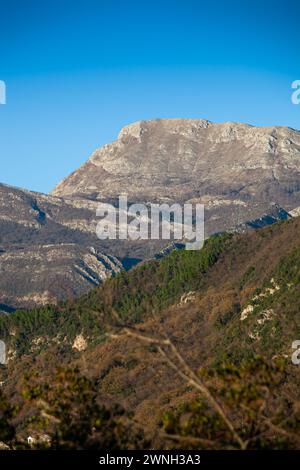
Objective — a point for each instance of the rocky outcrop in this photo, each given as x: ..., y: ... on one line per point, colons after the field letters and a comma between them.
x: 44, y: 274
x: 48, y: 249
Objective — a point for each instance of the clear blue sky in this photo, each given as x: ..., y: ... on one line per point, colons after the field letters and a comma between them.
x: 77, y: 71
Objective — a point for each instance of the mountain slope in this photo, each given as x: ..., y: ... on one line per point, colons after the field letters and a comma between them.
x: 48, y: 249
x: 252, y: 268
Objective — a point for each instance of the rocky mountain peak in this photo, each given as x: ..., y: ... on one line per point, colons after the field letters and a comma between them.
x: 180, y: 159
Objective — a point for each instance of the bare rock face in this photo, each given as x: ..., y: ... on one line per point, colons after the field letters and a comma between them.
x: 184, y: 158
x: 44, y: 274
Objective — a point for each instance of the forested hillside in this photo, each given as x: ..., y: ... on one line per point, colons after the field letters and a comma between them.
x: 229, y: 312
